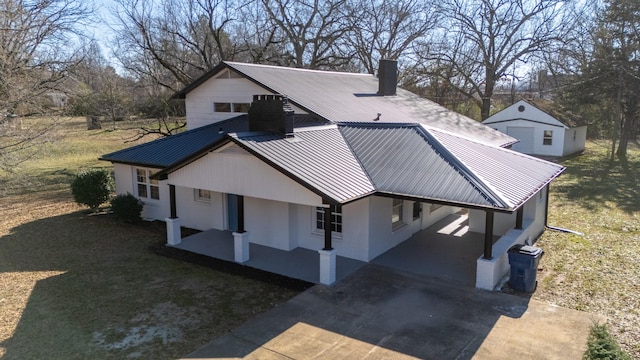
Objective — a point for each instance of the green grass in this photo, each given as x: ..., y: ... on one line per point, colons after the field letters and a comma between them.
x: 599, y: 272
x: 74, y: 285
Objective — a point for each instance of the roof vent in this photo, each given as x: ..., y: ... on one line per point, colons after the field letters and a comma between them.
x: 387, y: 77
x: 271, y: 113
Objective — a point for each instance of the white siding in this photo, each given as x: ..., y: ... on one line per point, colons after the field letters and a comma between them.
x: 199, y: 102
x: 197, y: 214
x: 242, y: 175
x: 267, y: 223
x: 574, y: 144
x: 555, y: 149
x: 125, y: 176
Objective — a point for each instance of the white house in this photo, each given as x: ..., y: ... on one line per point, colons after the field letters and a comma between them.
x: 541, y: 128
x: 339, y: 163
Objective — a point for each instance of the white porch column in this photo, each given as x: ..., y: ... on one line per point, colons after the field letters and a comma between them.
x: 327, y: 266
x: 173, y: 231
x: 241, y: 246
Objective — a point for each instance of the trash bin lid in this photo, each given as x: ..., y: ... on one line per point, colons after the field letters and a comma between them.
x: 530, y: 250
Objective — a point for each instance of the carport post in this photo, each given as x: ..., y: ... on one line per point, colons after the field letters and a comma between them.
x: 240, y: 236
x: 519, y: 216
x: 488, y: 235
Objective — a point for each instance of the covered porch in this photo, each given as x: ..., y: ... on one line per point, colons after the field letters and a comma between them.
x: 445, y: 250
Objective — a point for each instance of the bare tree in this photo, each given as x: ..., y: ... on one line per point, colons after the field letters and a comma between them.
x: 36, y: 56
x: 312, y: 31
x: 387, y: 29
x: 484, y: 40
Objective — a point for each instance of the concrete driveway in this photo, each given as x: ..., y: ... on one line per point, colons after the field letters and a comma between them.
x: 379, y: 313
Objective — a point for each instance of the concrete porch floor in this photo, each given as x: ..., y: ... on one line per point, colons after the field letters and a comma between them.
x: 445, y: 250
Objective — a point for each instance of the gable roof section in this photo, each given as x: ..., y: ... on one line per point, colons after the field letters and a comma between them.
x: 318, y: 158
x: 351, y: 97
x: 561, y: 117
x: 169, y: 151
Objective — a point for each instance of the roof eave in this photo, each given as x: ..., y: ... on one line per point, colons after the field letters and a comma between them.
x: 199, y: 81
x: 162, y: 175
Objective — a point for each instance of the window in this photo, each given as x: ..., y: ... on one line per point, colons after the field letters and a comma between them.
x: 147, y: 187
x: 202, y: 195
x: 547, y: 139
x: 231, y: 107
x: 336, y: 219
x: 417, y: 209
x: 396, y: 213
x: 574, y: 135
x: 221, y: 107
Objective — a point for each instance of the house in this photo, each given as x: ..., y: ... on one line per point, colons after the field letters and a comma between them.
x: 541, y: 128
x: 344, y: 164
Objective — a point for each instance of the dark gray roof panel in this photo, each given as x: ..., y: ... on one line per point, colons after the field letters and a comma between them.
x: 347, y: 97
x: 168, y: 151
x: 318, y: 157
x: 401, y: 161
x: 512, y: 176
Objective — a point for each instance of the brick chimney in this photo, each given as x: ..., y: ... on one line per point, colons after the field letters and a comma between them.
x: 387, y: 77
x: 271, y: 113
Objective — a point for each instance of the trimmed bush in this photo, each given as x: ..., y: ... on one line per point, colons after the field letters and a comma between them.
x: 127, y: 207
x: 602, y: 345
x: 92, y: 188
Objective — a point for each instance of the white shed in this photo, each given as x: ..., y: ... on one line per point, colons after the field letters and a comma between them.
x: 541, y: 127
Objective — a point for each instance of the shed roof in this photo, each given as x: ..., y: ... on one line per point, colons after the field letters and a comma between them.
x: 170, y: 150
x: 351, y: 97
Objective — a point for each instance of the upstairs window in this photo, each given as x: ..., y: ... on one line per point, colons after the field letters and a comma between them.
x: 147, y: 188
x: 231, y: 107
x: 547, y: 138
x: 336, y: 219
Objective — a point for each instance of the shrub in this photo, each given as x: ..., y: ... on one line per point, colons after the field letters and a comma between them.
x: 602, y: 345
x: 92, y: 188
x: 127, y: 207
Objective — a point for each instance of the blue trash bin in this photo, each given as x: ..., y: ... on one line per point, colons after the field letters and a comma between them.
x: 524, y: 267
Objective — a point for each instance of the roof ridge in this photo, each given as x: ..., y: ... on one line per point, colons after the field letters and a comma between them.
x: 231, y: 63
x: 477, y: 181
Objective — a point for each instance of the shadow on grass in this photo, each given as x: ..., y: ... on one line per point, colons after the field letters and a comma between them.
x: 593, y: 181
x: 83, y: 286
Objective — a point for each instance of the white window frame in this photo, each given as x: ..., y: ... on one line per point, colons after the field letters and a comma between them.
x: 202, y: 196
x: 233, y: 107
x: 318, y: 218
x: 547, y: 136
x: 397, y: 209
x: 143, y: 178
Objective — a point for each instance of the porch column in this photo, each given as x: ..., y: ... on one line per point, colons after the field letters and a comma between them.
x: 519, y: 216
x: 172, y: 201
x: 241, y: 237
x: 327, y: 254
x: 173, y: 231
x: 488, y: 235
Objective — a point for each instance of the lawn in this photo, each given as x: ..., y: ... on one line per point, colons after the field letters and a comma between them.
x: 75, y: 285
x: 600, y: 271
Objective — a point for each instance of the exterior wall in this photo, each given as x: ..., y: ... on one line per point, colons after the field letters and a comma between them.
x: 126, y: 183
x: 572, y: 146
x: 556, y: 147
x: 431, y: 217
x: 197, y: 214
x: 242, y: 174
x: 267, y: 223
x: 352, y: 243
x: 501, y: 222
x: 199, y: 102
x: 381, y: 235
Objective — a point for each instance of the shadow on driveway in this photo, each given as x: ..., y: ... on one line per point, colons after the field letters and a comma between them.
x: 382, y: 313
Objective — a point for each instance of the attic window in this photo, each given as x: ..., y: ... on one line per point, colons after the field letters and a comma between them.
x: 521, y: 108
x: 547, y: 138
x: 231, y: 107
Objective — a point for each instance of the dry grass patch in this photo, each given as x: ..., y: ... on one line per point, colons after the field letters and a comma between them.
x: 599, y: 272
x: 75, y: 285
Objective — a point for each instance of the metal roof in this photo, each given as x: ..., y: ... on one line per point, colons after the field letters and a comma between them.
x: 170, y: 150
x: 402, y: 161
x: 511, y: 176
x: 351, y: 97
x: 318, y: 158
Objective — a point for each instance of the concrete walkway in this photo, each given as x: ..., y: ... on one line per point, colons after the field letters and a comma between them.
x: 380, y: 313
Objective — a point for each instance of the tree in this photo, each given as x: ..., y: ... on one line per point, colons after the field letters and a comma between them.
x: 36, y: 55
x: 483, y: 41
x: 386, y: 29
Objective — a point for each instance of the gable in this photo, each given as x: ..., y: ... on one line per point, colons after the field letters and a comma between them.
x: 532, y: 113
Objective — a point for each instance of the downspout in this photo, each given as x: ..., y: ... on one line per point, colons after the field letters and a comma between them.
x: 546, y: 217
